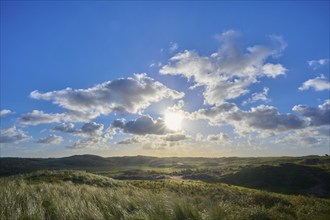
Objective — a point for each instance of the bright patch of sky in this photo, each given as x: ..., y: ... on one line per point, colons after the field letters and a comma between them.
x: 164, y: 78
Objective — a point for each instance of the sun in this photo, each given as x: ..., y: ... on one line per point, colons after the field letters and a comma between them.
x: 173, y: 120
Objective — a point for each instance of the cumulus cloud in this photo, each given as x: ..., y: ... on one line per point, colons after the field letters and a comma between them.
x: 99, y: 140
x: 93, y: 133
x: 315, y: 64
x: 265, y: 120
x: 155, y: 146
x: 4, y: 112
x: 12, y: 135
x: 65, y: 127
x: 316, y: 115
x: 130, y: 95
x: 163, y: 142
x: 319, y: 83
x: 142, y: 126
x: 91, y: 142
x: 91, y: 128
x: 37, y: 117
x: 51, y: 139
x: 268, y: 117
x: 218, y: 137
x: 88, y: 129
x: 199, y: 137
x: 262, y: 96
x: 259, y: 119
x: 216, y: 115
x: 175, y: 137
x: 227, y: 73
x: 308, y: 137
x: 133, y: 140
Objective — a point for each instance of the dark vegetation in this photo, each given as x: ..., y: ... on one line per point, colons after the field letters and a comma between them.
x: 285, y: 178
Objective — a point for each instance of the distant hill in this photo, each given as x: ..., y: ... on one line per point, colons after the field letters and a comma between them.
x: 12, y: 165
x: 289, y: 175
x: 15, y: 165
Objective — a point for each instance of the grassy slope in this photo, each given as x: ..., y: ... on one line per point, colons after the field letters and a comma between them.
x: 285, y: 178
x: 81, y: 195
x: 291, y: 175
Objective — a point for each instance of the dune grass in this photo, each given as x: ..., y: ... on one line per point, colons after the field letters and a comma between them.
x: 81, y: 195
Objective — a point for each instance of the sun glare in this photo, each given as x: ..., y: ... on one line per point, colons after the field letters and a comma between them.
x: 173, y: 121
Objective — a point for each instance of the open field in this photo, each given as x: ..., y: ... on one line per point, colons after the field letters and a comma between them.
x: 92, y: 187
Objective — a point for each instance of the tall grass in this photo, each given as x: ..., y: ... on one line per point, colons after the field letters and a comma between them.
x: 79, y: 195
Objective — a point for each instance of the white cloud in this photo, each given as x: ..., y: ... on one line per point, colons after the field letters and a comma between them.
x: 96, y: 141
x: 93, y: 132
x: 65, y: 127
x: 199, y: 137
x: 130, y: 95
x: 315, y: 64
x: 4, y: 112
x: 279, y: 44
x: 265, y: 120
x: 164, y: 142
x: 91, y: 128
x: 51, y: 139
x: 273, y: 70
x: 262, y: 96
x: 12, y: 135
x: 261, y: 119
x: 308, y: 137
x: 221, y: 137
x: 37, y: 117
x: 156, y: 64
x: 319, y: 83
x: 175, y: 137
x: 87, y: 130
x: 173, y: 47
x: 92, y: 143
x: 316, y: 115
x: 215, y: 115
x: 133, y: 140
x: 268, y: 117
x: 227, y: 73
x: 142, y: 126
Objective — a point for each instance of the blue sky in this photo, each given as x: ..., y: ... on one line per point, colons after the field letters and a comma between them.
x: 164, y: 78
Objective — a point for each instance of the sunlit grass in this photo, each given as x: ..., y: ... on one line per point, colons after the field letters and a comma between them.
x: 81, y: 195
